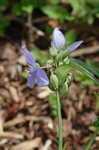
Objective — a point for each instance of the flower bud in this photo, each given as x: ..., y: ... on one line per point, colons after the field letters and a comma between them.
x: 53, y: 51
x: 54, y: 81
x: 67, y: 60
x: 58, y: 39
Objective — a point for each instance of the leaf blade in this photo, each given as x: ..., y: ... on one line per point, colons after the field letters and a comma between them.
x: 79, y: 65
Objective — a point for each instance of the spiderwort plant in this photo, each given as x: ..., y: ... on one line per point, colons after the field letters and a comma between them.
x: 60, y: 68
x: 59, y: 51
x: 61, y: 75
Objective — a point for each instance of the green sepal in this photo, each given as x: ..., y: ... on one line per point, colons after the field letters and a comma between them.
x: 54, y: 81
x: 62, y: 55
x: 53, y: 51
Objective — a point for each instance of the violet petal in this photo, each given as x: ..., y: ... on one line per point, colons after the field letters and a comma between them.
x: 75, y: 45
x: 58, y: 39
x: 32, y: 78
x: 42, y: 79
x: 28, y: 55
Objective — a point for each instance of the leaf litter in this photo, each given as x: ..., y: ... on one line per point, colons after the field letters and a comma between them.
x: 26, y: 122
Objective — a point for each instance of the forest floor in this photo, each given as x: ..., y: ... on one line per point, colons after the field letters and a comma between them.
x: 26, y: 121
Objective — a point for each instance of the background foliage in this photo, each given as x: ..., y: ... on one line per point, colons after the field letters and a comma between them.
x: 63, y: 10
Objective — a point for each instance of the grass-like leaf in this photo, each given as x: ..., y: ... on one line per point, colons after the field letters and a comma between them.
x: 82, y: 67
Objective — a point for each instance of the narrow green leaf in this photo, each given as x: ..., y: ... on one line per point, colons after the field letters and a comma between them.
x: 79, y: 65
x: 90, y: 142
x: 93, y: 68
x: 85, y: 80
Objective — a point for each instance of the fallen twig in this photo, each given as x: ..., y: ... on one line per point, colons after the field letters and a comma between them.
x: 25, y: 118
x: 27, y: 145
x: 85, y: 51
x: 11, y: 135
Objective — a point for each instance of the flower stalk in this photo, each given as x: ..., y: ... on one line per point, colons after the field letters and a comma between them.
x: 60, y: 136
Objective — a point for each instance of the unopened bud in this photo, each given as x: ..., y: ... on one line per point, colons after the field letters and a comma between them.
x: 54, y: 81
x: 66, y: 60
x: 68, y: 81
x: 50, y: 62
x: 53, y: 51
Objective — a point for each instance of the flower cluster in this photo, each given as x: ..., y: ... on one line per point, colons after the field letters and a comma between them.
x: 58, y: 41
x: 36, y: 74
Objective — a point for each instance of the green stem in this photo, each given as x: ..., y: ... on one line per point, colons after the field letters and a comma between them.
x: 60, y: 137
x: 90, y: 142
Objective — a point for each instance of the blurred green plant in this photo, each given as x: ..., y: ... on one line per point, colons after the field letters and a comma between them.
x: 71, y: 10
x: 70, y: 36
x: 88, y: 146
x: 97, y: 101
x: 39, y: 55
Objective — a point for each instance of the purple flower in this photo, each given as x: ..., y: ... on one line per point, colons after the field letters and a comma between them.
x: 58, y: 41
x: 36, y: 75
x: 75, y: 45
